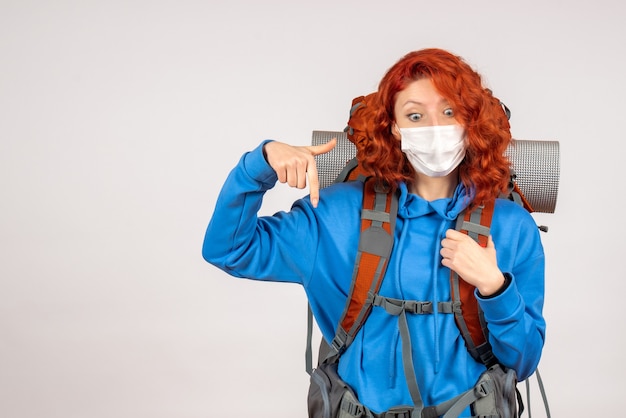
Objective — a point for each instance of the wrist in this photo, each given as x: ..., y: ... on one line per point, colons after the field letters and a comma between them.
x: 498, y: 288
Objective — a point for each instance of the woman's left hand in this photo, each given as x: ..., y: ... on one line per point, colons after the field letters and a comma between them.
x: 476, y: 265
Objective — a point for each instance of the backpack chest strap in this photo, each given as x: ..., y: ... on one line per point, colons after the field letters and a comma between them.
x: 395, y: 306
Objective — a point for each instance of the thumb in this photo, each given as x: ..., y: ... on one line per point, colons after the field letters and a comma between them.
x: 323, y: 148
x: 490, y: 243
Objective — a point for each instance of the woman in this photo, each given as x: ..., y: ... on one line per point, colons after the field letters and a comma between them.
x: 438, y: 137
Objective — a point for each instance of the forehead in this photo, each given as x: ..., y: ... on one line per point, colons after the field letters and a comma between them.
x: 420, y: 92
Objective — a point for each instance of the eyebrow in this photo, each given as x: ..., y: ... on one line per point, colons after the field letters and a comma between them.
x: 443, y: 101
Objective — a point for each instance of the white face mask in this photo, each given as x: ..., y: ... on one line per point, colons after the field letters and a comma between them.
x: 434, y: 150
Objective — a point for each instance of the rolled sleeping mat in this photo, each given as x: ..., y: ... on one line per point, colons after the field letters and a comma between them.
x: 535, y: 164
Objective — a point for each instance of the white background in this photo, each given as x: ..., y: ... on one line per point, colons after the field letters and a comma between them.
x: 119, y: 121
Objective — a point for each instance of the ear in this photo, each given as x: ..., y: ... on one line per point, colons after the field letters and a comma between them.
x: 395, y: 131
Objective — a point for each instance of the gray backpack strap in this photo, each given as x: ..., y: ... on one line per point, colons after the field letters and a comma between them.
x: 407, y: 363
x: 398, y: 307
x: 343, y: 174
x: 308, y: 354
x: 542, y: 390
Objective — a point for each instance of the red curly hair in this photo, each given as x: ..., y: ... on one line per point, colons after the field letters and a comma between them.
x: 485, y: 169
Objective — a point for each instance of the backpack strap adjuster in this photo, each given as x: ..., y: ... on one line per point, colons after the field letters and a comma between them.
x: 484, y: 389
x: 400, y: 412
x: 352, y: 408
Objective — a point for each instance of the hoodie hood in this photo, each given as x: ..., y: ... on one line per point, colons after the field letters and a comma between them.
x: 413, y: 206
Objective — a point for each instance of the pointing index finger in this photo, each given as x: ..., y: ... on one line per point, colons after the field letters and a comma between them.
x: 313, y: 176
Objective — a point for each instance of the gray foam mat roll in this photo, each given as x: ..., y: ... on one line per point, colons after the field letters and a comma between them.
x: 535, y: 163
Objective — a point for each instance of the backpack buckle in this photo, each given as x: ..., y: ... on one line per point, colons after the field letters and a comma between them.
x: 419, y: 307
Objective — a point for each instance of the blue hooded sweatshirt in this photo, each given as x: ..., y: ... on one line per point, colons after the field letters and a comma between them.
x: 316, y: 247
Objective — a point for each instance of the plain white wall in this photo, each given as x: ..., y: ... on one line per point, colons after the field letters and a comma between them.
x: 119, y: 120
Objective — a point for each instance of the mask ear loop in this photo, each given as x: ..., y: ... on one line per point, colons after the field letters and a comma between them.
x: 507, y: 112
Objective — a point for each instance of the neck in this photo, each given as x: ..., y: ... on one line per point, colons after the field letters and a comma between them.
x: 433, y: 188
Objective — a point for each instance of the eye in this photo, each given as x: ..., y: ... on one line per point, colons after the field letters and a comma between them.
x: 415, y: 117
x: 449, y: 112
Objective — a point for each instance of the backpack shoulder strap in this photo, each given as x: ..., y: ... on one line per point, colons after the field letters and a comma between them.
x: 380, y: 206
x: 378, y: 216
x: 467, y: 313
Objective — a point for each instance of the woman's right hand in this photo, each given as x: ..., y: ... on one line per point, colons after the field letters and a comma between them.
x: 294, y: 164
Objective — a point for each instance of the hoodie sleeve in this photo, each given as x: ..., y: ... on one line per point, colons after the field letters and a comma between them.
x: 514, y: 317
x: 244, y: 245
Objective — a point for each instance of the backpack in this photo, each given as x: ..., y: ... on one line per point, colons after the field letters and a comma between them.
x: 495, y: 394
